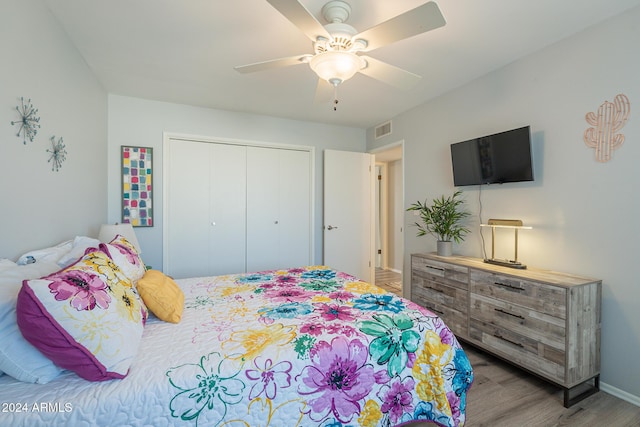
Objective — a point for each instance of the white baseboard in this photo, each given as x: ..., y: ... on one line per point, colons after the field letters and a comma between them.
x: 614, y: 391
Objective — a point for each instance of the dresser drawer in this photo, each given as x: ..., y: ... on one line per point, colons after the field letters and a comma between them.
x: 520, y: 350
x: 448, y: 302
x: 451, y: 274
x: 454, y: 319
x: 547, y: 333
x: 543, y: 298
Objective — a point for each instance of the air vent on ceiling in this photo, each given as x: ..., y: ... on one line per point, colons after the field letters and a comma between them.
x: 383, y: 129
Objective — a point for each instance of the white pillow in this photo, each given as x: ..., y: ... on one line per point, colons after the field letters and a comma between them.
x: 6, y: 263
x: 79, y: 247
x: 52, y: 254
x: 18, y: 358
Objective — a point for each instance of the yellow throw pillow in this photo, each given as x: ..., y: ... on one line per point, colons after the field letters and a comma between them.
x: 161, y: 295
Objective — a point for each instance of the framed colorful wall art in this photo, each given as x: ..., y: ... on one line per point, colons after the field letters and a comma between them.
x: 137, y: 186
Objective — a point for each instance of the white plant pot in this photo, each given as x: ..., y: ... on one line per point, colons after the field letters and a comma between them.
x: 445, y: 248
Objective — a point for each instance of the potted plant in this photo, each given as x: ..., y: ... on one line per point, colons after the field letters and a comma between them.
x: 442, y: 219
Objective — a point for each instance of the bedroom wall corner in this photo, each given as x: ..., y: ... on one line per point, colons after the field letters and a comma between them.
x: 41, y: 207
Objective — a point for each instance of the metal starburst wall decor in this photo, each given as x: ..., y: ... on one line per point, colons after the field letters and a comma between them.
x: 29, y: 121
x: 58, y: 153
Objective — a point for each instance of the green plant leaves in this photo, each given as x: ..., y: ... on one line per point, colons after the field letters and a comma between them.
x: 442, y: 218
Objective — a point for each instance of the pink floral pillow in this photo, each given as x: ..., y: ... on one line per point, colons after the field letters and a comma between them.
x: 126, y: 257
x: 87, y: 318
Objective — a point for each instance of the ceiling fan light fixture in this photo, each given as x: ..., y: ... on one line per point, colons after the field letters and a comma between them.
x: 336, y: 66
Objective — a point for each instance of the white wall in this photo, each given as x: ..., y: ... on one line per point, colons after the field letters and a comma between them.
x: 40, y: 207
x: 134, y: 121
x: 584, y: 213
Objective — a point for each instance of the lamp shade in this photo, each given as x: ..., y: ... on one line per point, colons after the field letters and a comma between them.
x: 109, y: 231
x: 336, y: 67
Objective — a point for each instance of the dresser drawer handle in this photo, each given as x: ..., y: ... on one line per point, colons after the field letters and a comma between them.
x: 510, y: 287
x: 438, y: 312
x: 435, y: 268
x: 440, y: 291
x: 499, y: 310
x: 508, y: 340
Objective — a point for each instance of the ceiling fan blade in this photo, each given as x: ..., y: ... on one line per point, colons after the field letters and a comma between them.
x: 274, y: 63
x: 295, y: 12
x: 324, y: 92
x: 389, y: 74
x: 416, y: 21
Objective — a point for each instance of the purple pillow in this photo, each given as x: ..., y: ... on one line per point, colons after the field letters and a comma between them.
x: 87, y: 318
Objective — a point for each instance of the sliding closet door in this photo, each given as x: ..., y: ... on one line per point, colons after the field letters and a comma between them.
x: 187, y: 214
x: 263, y: 210
x: 206, y: 208
x: 278, y: 208
x: 232, y: 208
x: 228, y: 209
x: 295, y: 208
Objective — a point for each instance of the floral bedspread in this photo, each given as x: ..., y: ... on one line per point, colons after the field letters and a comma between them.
x: 306, y: 347
x: 313, y: 347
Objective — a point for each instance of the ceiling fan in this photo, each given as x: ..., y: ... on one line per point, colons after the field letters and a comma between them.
x: 339, y: 49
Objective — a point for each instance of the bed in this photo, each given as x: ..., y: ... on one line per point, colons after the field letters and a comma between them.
x: 307, y: 346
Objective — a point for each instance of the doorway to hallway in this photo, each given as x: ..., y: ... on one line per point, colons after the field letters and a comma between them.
x: 389, y: 217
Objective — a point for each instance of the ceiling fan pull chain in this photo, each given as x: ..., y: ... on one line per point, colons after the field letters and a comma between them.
x: 335, y: 97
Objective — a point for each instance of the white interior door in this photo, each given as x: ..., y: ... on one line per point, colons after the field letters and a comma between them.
x: 227, y: 224
x: 263, y: 225
x: 205, y: 203
x: 187, y: 216
x: 349, y: 215
x: 278, y: 208
x: 295, y: 208
x: 231, y: 207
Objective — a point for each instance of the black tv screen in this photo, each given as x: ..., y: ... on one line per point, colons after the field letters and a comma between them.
x: 493, y: 159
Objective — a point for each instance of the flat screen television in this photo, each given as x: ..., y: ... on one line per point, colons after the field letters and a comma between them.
x: 493, y: 159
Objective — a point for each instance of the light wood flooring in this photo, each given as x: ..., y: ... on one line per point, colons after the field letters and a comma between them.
x: 504, y: 396
x: 389, y: 280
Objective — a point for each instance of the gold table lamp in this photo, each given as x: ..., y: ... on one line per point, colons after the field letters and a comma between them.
x: 514, y: 224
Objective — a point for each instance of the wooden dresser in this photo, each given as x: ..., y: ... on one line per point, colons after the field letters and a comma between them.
x: 545, y: 322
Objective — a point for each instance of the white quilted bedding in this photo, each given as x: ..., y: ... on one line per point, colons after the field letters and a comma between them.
x: 68, y: 400
x: 270, y: 342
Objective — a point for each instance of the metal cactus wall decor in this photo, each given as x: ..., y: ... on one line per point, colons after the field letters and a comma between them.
x: 58, y: 153
x: 603, y: 135
x: 29, y: 121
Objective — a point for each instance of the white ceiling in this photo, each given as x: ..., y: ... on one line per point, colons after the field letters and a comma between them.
x: 184, y: 51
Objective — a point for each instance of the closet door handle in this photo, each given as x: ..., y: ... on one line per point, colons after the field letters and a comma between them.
x: 331, y: 227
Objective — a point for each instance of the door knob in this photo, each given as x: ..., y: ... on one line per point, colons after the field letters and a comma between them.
x: 331, y: 227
